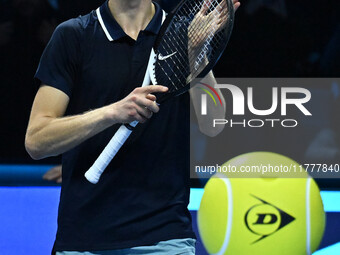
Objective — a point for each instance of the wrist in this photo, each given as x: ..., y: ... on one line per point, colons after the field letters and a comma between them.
x: 110, y: 114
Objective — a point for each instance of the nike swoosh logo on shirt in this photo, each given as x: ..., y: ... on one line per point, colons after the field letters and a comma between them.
x: 161, y: 57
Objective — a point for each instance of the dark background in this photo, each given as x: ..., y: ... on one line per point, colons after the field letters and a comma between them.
x: 271, y: 38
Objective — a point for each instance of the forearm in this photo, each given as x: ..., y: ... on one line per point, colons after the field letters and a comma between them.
x: 53, y: 136
x: 50, y: 134
x: 213, y: 111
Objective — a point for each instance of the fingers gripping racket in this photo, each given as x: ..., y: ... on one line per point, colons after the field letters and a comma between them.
x: 189, y: 44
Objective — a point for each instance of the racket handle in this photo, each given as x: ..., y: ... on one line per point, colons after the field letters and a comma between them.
x: 110, y: 151
x: 117, y: 141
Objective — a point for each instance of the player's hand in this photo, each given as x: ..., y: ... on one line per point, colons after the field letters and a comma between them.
x: 212, y: 21
x: 236, y: 4
x: 54, y: 174
x: 139, y: 105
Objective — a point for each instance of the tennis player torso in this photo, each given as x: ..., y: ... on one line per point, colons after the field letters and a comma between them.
x: 142, y: 196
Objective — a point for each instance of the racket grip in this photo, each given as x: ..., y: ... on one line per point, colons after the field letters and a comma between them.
x: 110, y: 151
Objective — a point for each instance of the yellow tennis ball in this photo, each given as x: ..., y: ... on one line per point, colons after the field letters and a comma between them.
x: 260, y: 216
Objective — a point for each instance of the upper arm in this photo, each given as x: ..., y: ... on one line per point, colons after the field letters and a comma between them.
x: 57, y: 68
x: 49, y: 103
x: 60, y: 62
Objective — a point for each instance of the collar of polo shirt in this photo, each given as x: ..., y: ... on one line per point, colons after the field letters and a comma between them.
x: 112, y: 29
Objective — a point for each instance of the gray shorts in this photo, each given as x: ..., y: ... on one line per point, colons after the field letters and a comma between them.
x: 184, y: 246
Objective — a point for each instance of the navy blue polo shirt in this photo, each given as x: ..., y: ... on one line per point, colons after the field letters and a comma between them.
x: 142, y: 196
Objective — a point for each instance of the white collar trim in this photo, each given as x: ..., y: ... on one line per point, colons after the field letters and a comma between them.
x: 103, y: 25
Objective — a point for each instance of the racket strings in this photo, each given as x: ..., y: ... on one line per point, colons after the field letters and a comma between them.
x: 208, y: 35
x: 213, y: 38
x: 196, y: 9
x: 170, y: 46
x: 212, y: 27
x: 213, y: 5
x: 178, y: 62
x: 169, y: 66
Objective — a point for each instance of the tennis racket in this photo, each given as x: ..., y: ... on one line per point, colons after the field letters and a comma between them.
x: 190, y: 42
